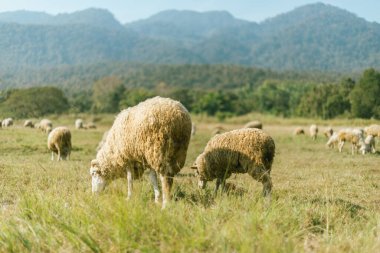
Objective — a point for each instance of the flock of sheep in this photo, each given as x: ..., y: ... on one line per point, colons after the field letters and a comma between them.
x: 361, y: 140
x: 155, y: 135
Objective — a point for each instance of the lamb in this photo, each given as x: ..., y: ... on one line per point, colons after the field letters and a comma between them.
x: 373, y: 130
x: 354, y: 136
x: 45, y: 125
x: 328, y: 132
x: 7, y: 122
x: 245, y: 150
x: 313, y: 130
x: 254, y: 124
x: 154, y: 134
x: 299, y: 131
x: 28, y: 123
x: 78, y: 124
x: 59, y: 142
x: 368, y: 145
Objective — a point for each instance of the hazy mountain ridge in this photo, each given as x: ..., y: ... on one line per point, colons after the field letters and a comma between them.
x: 311, y: 37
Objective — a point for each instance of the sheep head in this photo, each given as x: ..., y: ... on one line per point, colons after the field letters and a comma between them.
x: 99, y: 182
x: 198, y: 172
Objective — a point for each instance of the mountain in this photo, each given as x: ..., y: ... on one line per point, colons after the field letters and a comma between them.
x: 312, y: 37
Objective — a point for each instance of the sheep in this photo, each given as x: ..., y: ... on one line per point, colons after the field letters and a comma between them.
x: 78, y: 124
x: 245, y: 150
x: 90, y: 125
x: 313, y: 130
x: 373, y: 130
x: 355, y: 136
x: 154, y: 134
x: 333, y: 140
x: 299, y: 131
x: 328, y: 132
x: 254, y: 124
x: 218, y: 130
x: 59, y: 142
x: 45, y: 125
x: 7, y: 122
x: 368, y: 145
x: 28, y: 123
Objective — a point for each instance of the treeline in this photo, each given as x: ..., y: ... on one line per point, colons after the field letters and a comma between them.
x: 282, y: 97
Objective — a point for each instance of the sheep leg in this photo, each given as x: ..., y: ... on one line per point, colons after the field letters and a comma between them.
x: 52, y: 156
x: 166, y: 182
x: 219, y: 182
x: 153, y: 180
x: 130, y: 184
x: 340, y: 146
x: 267, y: 188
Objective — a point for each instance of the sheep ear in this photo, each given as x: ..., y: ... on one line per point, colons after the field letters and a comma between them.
x: 94, y: 163
x: 194, y: 167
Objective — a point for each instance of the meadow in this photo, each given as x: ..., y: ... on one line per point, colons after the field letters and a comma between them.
x: 322, y: 200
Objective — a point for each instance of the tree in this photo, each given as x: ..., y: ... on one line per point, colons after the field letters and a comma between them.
x: 107, y: 94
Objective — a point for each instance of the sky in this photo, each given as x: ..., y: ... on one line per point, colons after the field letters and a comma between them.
x: 131, y: 10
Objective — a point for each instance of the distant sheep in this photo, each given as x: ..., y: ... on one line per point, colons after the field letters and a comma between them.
x: 354, y: 136
x: 7, y: 122
x: 90, y: 125
x: 154, y: 134
x: 254, y: 124
x: 78, y: 124
x: 28, y: 123
x: 59, y: 142
x: 218, y: 130
x: 313, y: 130
x: 368, y: 145
x: 328, y: 132
x: 299, y: 131
x: 45, y: 125
x: 244, y: 150
x: 373, y: 130
x: 333, y: 141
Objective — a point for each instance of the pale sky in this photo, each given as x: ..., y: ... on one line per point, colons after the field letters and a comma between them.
x: 131, y: 10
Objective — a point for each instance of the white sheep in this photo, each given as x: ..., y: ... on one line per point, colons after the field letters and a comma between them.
x: 90, y: 125
x: 333, y: 141
x: 59, y: 142
x: 368, y: 145
x: 354, y: 136
x: 254, y: 124
x: 7, y: 122
x: 313, y: 130
x: 28, y: 123
x: 45, y: 125
x: 245, y: 150
x: 154, y: 134
x: 78, y: 124
x: 299, y: 131
x: 373, y: 130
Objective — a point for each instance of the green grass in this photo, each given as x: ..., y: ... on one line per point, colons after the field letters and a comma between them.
x: 323, y: 201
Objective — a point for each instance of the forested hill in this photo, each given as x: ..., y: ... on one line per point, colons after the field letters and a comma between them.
x: 312, y: 37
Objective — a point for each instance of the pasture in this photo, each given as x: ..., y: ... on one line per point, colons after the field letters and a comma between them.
x: 322, y: 200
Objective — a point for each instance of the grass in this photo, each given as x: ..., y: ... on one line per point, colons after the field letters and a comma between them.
x: 323, y: 201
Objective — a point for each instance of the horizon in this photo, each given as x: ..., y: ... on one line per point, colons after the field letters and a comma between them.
x: 253, y: 11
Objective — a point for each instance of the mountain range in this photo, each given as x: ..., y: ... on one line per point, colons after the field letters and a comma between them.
x: 312, y: 37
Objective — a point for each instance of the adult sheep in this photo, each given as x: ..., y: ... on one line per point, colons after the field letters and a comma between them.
x: 299, y: 131
x: 254, y: 124
x: 59, y: 142
x: 313, y: 130
x: 373, y: 130
x: 45, y: 125
x: 78, y: 123
x: 368, y: 145
x: 354, y: 136
x: 245, y: 150
x: 28, y: 123
x: 154, y: 134
x: 328, y: 132
x: 7, y: 122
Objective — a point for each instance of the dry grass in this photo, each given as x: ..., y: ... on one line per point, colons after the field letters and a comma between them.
x: 323, y: 201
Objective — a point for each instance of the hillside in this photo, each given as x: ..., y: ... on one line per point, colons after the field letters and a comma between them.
x: 312, y: 37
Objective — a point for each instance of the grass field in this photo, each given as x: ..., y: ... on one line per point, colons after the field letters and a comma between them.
x: 322, y: 201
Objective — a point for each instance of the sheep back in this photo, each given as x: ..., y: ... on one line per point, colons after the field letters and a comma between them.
x: 244, y: 150
x: 59, y: 140
x: 154, y: 134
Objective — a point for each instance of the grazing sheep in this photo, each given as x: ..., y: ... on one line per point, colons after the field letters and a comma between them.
x: 79, y: 124
x: 28, y: 123
x: 7, y: 122
x: 244, y: 150
x: 218, y: 130
x: 102, y: 141
x: 368, y: 145
x: 299, y: 131
x: 193, y: 129
x: 90, y: 125
x: 45, y: 126
x: 333, y: 141
x: 59, y: 142
x: 373, y: 130
x: 328, y: 132
x: 154, y: 134
x: 254, y: 124
x: 354, y: 136
x: 313, y: 130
